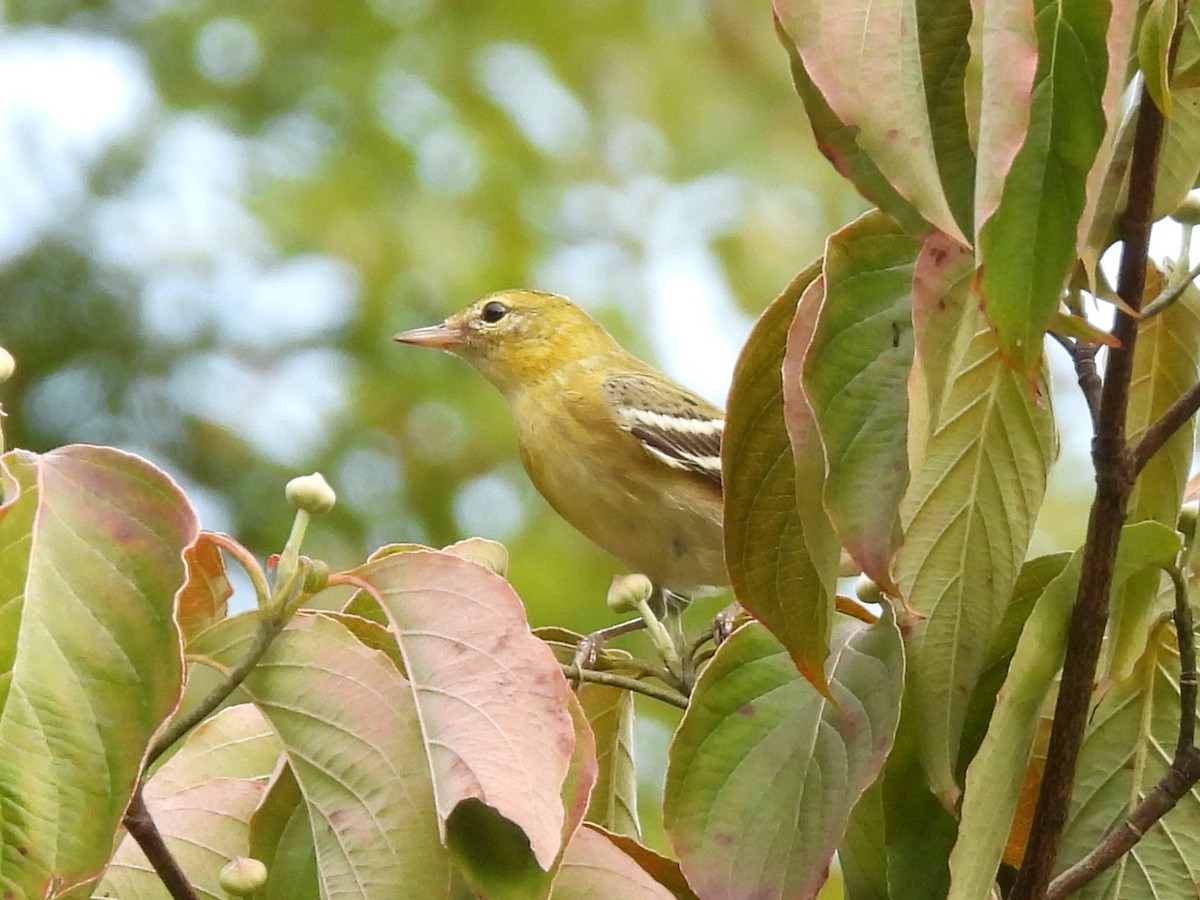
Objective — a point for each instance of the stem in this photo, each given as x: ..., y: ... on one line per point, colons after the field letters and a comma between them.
x: 665, y: 694
x: 140, y: 825
x: 269, y: 625
x: 248, y: 563
x: 1167, y: 424
x: 1114, y: 480
x: 1171, y: 293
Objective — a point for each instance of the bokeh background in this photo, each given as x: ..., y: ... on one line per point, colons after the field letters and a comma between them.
x: 214, y: 215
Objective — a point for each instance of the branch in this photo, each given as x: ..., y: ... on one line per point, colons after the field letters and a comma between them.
x: 1167, y: 424
x: 1179, y: 779
x: 1114, y: 480
x: 1083, y: 358
x: 140, y: 825
x: 269, y: 625
x: 665, y: 694
x: 1170, y: 294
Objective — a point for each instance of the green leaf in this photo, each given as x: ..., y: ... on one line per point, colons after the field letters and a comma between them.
x: 281, y: 837
x: 1045, y: 191
x: 610, y: 713
x: 839, y: 144
x: 1153, y: 50
x: 903, y: 92
x: 863, y: 851
x: 995, y: 775
x: 771, y: 569
x: 91, y: 555
x: 202, y: 800
x: 856, y: 379
x: 981, y: 445
x: 1166, y: 363
x: 350, y: 729
x: 764, y: 771
x: 1127, y: 749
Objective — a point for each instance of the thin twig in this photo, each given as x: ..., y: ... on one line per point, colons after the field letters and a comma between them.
x: 1178, y: 780
x: 1161, y: 430
x: 1170, y: 294
x: 665, y: 694
x: 1184, y: 772
x: 140, y: 825
x: 269, y: 625
x: 1185, y: 638
x: 1114, y: 481
x: 248, y: 563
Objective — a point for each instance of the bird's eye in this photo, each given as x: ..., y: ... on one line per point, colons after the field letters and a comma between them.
x: 494, y: 311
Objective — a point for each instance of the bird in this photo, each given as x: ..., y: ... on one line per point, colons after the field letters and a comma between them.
x: 626, y: 455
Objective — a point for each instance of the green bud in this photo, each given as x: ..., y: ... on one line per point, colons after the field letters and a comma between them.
x: 8, y: 365
x: 316, y: 575
x: 311, y: 493
x: 628, y: 592
x: 243, y: 876
x: 1188, y: 212
x: 490, y: 554
x: 1188, y: 513
x: 867, y: 591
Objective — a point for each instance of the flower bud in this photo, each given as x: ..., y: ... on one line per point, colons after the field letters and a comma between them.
x: 1188, y: 212
x: 8, y: 365
x: 243, y: 876
x: 316, y: 575
x: 866, y: 590
x: 627, y: 592
x: 311, y: 493
x: 1188, y: 514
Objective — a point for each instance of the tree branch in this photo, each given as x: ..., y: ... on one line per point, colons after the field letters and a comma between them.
x: 1160, y: 431
x: 1114, y: 480
x: 140, y: 825
x: 1179, y: 779
x: 665, y: 694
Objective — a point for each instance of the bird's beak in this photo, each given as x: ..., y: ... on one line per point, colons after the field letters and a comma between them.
x: 445, y: 336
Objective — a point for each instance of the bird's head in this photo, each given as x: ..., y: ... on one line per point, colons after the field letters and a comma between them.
x: 516, y: 337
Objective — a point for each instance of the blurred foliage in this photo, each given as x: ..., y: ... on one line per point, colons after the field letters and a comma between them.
x: 218, y: 214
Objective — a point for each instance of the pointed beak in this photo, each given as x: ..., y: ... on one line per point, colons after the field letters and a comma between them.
x: 444, y: 336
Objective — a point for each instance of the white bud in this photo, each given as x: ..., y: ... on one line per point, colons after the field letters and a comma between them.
x: 311, y: 493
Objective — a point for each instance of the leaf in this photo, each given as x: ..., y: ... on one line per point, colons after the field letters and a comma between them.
x: 1004, y: 40
x: 838, y: 142
x: 91, y: 554
x: 610, y: 713
x: 596, y: 869
x: 202, y: 599
x: 1166, y: 362
x: 1067, y: 325
x: 981, y: 447
x: 492, y: 698
x: 281, y: 837
x: 662, y: 869
x: 856, y: 379
x: 771, y: 569
x: 1153, y: 49
x: 1045, y: 191
x: 350, y: 729
x: 902, y: 91
x: 995, y: 775
x: 764, y: 771
x: 202, y: 801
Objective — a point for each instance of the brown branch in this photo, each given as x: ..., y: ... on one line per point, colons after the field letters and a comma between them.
x: 1184, y: 772
x: 1114, y: 480
x: 1161, y: 430
x: 140, y: 825
x: 1178, y: 780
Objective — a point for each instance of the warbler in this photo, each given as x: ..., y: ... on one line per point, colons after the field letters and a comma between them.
x: 626, y: 455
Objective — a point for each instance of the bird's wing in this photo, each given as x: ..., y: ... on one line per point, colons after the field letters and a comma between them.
x: 674, y: 425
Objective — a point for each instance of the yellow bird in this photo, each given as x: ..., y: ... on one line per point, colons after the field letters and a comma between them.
x: 626, y: 455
